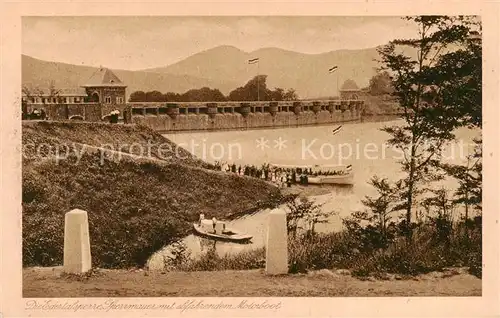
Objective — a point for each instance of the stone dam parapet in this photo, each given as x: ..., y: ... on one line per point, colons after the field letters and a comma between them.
x: 243, y: 115
x: 202, y: 116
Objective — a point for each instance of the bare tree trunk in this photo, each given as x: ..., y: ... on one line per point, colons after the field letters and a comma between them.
x: 411, y: 183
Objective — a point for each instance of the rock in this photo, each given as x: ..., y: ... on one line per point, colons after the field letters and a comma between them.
x: 384, y: 276
x: 451, y: 271
x: 435, y: 275
x: 449, y: 274
x: 343, y: 272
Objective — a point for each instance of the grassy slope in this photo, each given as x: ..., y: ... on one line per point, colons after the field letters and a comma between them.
x: 134, y: 206
x: 138, y: 140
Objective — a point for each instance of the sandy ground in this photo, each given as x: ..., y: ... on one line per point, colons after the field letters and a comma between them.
x: 51, y: 282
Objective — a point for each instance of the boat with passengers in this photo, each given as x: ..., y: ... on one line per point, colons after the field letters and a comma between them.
x: 319, y: 174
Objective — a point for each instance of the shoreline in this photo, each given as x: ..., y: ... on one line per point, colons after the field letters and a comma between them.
x: 307, y: 191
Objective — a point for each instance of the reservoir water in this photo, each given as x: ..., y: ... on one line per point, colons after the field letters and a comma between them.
x: 363, y: 145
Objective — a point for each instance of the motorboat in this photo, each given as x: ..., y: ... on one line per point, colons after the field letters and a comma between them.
x: 217, y: 230
x: 322, y: 174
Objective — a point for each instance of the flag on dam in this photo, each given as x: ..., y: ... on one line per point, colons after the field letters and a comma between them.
x: 332, y: 69
x: 336, y: 130
x: 253, y: 61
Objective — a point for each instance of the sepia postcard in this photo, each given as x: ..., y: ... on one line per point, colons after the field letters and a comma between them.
x: 249, y: 159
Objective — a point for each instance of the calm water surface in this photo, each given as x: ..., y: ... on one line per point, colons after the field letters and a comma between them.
x: 359, y: 144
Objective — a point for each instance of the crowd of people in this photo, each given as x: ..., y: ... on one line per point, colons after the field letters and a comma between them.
x: 281, y: 176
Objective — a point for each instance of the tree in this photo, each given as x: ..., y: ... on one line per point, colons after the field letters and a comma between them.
x: 31, y: 92
x: 172, y: 97
x: 424, y: 87
x: 137, y: 96
x: 154, y: 96
x: 204, y: 94
x: 458, y: 72
x: 54, y: 93
x: 255, y: 89
x: 380, y: 84
x: 278, y: 94
x: 290, y: 95
x: 301, y: 209
x: 443, y: 206
x: 29, y: 97
x: 382, y: 206
x: 315, y: 216
x: 375, y: 233
x: 465, y: 91
x: 470, y: 179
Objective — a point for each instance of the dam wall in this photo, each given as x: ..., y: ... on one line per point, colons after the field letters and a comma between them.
x: 198, y: 116
x: 165, y: 117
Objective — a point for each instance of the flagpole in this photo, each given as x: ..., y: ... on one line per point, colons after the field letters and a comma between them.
x: 338, y: 92
x: 253, y: 61
x: 336, y: 70
x: 258, y: 85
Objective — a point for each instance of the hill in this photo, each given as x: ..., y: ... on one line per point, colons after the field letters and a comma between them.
x: 135, y: 206
x: 225, y: 68
x: 307, y: 73
x: 40, y: 73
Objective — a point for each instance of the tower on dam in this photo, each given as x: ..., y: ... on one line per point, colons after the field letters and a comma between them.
x: 349, y: 90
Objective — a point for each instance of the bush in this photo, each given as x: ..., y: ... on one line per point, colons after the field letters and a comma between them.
x: 341, y: 250
x: 211, y: 261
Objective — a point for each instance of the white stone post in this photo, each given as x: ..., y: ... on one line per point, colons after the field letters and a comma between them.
x: 277, y: 243
x: 77, y: 257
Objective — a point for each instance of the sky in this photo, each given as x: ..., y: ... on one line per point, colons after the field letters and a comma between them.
x: 134, y: 43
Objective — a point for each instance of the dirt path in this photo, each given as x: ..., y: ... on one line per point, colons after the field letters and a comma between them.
x: 50, y: 282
